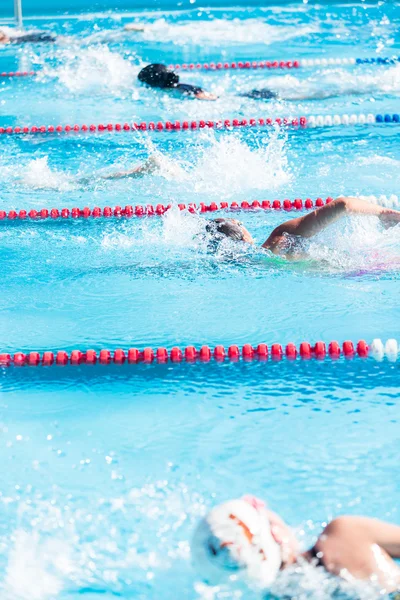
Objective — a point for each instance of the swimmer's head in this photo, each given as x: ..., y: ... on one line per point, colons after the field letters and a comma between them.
x: 242, y: 537
x: 228, y: 228
x: 158, y: 76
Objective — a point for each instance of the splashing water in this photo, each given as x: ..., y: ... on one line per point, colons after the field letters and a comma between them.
x: 334, y: 82
x: 38, y: 175
x: 63, y: 545
x: 225, y: 31
x: 96, y: 69
x: 43, y: 562
x: 358, y: 245
x: 228, y: 165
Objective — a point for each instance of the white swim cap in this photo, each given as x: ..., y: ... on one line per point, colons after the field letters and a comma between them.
x: 235, y: 538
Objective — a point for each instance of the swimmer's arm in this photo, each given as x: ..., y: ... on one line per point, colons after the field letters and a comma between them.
x: 386, y: 535
x: 149, y: 166
x: 347, y: 546
x: 319, y: 219
x: 370, y: 531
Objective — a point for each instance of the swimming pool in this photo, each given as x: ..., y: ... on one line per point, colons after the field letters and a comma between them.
x: 108, y: 467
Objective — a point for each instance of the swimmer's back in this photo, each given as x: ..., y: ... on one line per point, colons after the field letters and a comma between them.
x: 263, y: 94
x: 188, y: 90
x: 34, y: 38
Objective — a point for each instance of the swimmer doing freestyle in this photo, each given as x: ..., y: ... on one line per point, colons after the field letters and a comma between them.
x: 161, y: 77
x: 286, y: 238
x: 243, y: 538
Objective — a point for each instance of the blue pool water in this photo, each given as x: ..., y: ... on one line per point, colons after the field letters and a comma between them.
x: 106, y: 469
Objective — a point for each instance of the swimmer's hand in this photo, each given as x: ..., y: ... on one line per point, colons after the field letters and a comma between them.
x: 134, y: 27
x: 4, y: 39
x: 389, y: 218
x: 205, y: 96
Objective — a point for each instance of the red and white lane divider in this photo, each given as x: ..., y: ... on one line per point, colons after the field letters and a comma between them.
x: 256, y: 64
x: 240, y: 64
x: 157, y: 210
x: 151, y: 210
x: 156, y: 126
x: 297, y: 122
x: 281, y: 64
x: 262, y: 352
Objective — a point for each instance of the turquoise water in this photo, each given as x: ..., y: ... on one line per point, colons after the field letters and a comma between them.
x: 108, y: 468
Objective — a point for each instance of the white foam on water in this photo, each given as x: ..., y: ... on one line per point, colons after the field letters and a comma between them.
x: 38, y: 175
x: 303, y: 581
x: 36, y: 567
x: 333, y: 82
x: 60, y: 547
x: 169, y: 168
x: 377, y: 159
x: 181, y: 228
x: 228, y: 165
x: 113, y: 544
x: 375, y: 82
x: 178, y: 230
x: 357, y: 243
x: 217, y: 31
x: 222, y: 166
x: 93, y: 69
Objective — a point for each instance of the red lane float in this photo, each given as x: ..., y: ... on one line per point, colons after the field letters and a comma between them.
x: 158, y: 210
x: 223, y: 66
x: 18, y: 74
x: 219, y: 353
x: 158, y: 126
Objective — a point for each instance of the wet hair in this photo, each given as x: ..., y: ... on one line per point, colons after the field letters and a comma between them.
x: 158, y: 76
x: 220, y: 228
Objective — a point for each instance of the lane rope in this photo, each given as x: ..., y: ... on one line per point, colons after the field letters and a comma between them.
x: 297, y: 122
x: 282, y: 64
x: 151, y: 210
x: 254, y: 64
x: 276, y: 352
x: 18, y: 74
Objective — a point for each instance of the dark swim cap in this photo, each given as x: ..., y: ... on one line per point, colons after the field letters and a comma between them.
x: 220, y: 228
x: 158, y: 76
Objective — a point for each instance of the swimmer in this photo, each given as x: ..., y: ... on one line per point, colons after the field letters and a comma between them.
x: 159, y: 76
x: 22, y: 38
x: 243, y: 537
x: 286, y: 238
x: 151, y: 165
